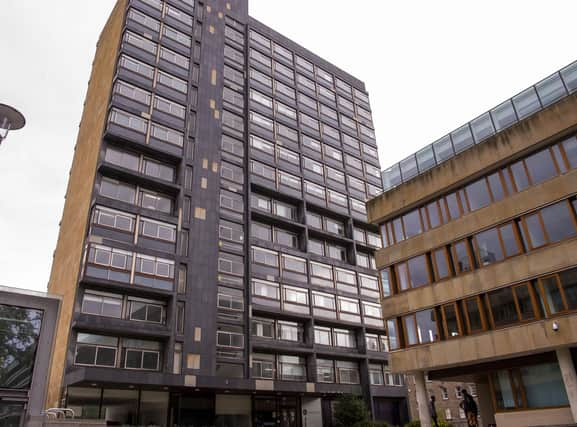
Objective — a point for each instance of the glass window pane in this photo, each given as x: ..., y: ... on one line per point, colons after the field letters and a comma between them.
x: 478, y: 194
x: 440, y: 256
x: 391, y: 177
x: 426, y: 326
x: 489, y: 247
x: 461, y: 257
x: 558, y: 221
x: 503, y: 307
x: 451, y: 320
x: 453, y: 205
x: 482, y: 127
x: 425, y: 158
x: 409, y: 168
x: 551, y: 89
x: 419, y: 271
x: 474, y: 315
x: 412, y: 223
x: 526, y: 103
x: 543, y: 386
x: 570, y: 147
x: 510, y: 242
x: 443, y: 149
x: 569, y: 284
x: 496, y: 186
x: 503, y: 115
x: 552, y: 294
x: 541, y: 166
x: 462, y: 138
x: 535, y: 231
x: 569, y: 75
x: 525, y: 303
x: 504, y: 396
x: 403, y: 276
x: 411, y: 330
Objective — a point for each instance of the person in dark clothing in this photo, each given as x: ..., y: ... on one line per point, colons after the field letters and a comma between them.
x: 469, y: 405
x: 433, y: 411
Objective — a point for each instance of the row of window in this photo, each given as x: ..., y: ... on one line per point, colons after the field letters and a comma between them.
x: 155, y: 102
x: 113, y: 352
x: 518, y: 176
x: 545, y: 297
x: 160, y: 53
x: 320, y: 274
x: 296, y: 300
x: 532, y: 231
x: 140, y: 163
x: 381, y: 375
x: 289, y: 136
x: 136, y: 195
x: 169, y: 10
x: 322, y: 172
x: 106, y: 263
x: 123, y: 307
x: 280, y: 178
x: 146, y: 127
x: 327, y: 79
x: 275, y: 107
x: 160, y: 28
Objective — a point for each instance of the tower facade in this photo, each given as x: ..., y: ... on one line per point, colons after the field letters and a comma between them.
x: 215, y: 258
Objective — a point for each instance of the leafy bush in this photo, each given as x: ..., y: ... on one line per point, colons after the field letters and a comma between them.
x: 351, y: 411
x: 417, y: 423
x: 372, y: 424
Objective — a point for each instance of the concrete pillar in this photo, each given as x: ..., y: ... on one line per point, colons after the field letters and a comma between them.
x: 569, y: 378
x: 485, y: 404
x: 422, y: 399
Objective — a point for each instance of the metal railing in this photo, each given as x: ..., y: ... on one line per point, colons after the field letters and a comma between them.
x: 528, y: 102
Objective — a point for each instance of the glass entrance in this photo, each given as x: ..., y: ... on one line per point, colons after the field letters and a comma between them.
x: 272, y: 411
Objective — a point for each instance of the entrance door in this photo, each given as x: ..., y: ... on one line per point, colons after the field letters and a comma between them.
x: 272, y: 411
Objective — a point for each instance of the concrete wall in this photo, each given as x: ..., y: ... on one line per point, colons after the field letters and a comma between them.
x: 519, y: 340
x: 499, y: 149
x: 520, y: 268
x: 543, y: 417
x: 68, y: 255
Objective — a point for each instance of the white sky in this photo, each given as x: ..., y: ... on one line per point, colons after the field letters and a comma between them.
x: 429, y: 66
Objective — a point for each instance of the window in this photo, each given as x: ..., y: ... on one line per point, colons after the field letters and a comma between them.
x: 178, y: 15
x: 549, y: 225
x: 346, y: 280
x: 420, y: 327
x: 285, y: 238
x: 231, y: 264
x: 440, y: 259
x: 337, y: 252
x: 260, y: 77
x: 175, y: 58
x: 451, y: 320
x: 232, y: 146
x: 262, y: 40
x: 413, y: 273
x: 323, y: 335
x: 146, y: 311
x: 261, y: 231
x: 281, y: 88
x: 316, y: 247
x: 177, y: 36
x: 376, y: 375
x: 136, y: 66
x: 304, y: 64
x: 284, y: 210
x: 263, y: 170
x: 141, y: 355
x: 292, y: 368
x: 117, y: 190
x: 512, y: 305
x: 289, y: 331
x: 347, y: 305
x: 541, y: 166
x: 264, y: 256
x: 140, y: 42
x: 294, y: 264
x: 167, y: 135
x: 127, y: 120
x: 309, y: 122
x: 259, y: 120
x: 325, y: 371
x: 528, y: 387
x: 260, y: 98
x: 344, y: 338
x: 158, y: 170
x: 474, y: 317
x: 264, y: 289
x: 154, y: 266
x: 132, y: 92
x: 260, y: 58
x: 157, y: 230
x: 288, y: 156
x: 230, y: 299
x: 95, y: 350
x: 114, y: 219
x: 462, y: 256
x: 101, y: 304
x: 393, y: 334
x: 263, y: 328
x: 231, y: 201
x: 347, y: 372
x: 263, y: 366
x: 155, y: 201
x: 478, y: 194
x: 229, y: 339
x: 289, y: 180
x: 172, y: 82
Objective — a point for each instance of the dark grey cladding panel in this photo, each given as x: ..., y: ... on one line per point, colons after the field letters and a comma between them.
x: 305, y: 53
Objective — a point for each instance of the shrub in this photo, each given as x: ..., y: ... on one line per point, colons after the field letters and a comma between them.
x: 372, y: 424
x: 351, y: 410
x: 417, y: 423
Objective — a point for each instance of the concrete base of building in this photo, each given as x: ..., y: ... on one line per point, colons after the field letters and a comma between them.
x: 535, y: 418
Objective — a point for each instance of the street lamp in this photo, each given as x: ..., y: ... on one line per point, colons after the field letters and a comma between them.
x: 10, y: 119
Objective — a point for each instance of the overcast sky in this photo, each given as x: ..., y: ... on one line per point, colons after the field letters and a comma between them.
x: 429, y: 67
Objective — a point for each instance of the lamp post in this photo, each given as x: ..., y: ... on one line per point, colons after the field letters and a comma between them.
x: 10, y: 119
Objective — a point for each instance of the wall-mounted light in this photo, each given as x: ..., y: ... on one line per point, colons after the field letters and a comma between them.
x: 555, y: 326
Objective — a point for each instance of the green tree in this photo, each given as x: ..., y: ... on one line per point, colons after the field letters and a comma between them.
x: 351, y: 410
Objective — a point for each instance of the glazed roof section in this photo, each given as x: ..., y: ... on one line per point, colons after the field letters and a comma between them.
x: 528, y: 102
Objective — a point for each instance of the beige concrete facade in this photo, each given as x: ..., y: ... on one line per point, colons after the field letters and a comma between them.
x: 473, y: 357
x: 67, y: 256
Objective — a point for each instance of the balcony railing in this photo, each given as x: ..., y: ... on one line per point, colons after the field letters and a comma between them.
x: 528, y: 102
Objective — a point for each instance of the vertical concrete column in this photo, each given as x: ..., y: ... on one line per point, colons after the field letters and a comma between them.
x: 422, y: 399
x: 485, y: 403
x: 569, y: 378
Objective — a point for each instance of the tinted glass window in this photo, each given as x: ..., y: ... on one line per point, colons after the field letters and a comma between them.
x: 524, y: 302
x: 503, y: 307
x: 419, y: 271
x: 535, y: 231
x: 440, y: 257
x: 461, y: 256
x: 570, y: 146
x: 558, y: 221
x: 489, y: 247
x: 569, y: 284
x: 453, y: 205
x: 520, y: 176
x: 19, y: 332
x: 510, y: 242
x: 412, y: 223
x: 474, y: 315
x: 426, y: 326
x: 496, y: 186
x: 478, y: 194
x: 541, y: 166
